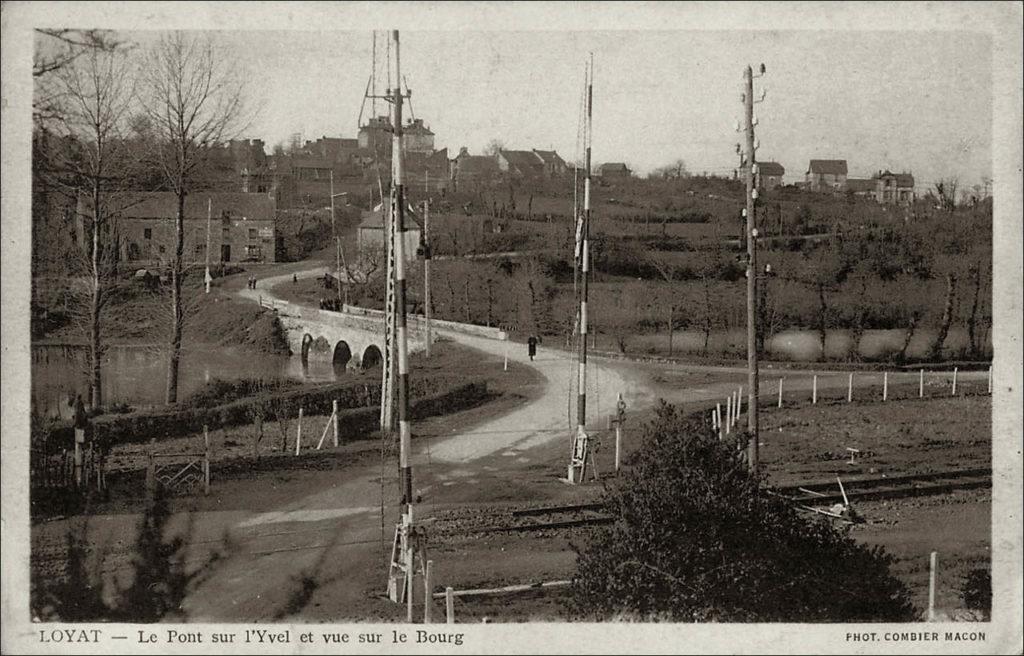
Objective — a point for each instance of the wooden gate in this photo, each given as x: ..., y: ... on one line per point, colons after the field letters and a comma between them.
x: 179, y: 472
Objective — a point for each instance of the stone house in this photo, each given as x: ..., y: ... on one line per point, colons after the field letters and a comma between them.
x: 826, y: 175
x: 239, y: 226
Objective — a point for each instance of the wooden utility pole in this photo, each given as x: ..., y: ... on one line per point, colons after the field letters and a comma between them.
x: 753, y: 427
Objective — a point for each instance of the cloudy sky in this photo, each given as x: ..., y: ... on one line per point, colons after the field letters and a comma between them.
x: 897, y: 100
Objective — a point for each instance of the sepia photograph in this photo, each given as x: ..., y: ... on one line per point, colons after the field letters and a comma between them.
x: 692, y: 316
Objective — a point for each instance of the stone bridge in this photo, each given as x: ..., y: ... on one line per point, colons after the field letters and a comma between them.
x: 354, y: 337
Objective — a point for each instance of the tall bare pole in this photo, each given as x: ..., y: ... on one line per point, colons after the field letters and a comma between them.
x: 753, y: 426
x: 398, y: 216
x: 581, y: 399
x: 426, y: 272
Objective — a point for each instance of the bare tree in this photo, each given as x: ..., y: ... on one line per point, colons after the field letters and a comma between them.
x: 945, y: 190
x: 493, y: 147
x: 56, y: 49
x: 192, y: 95
x: 90, y: 161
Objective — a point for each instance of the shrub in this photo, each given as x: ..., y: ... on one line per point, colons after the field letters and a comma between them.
x: 697, y: 538
x: 977, y: 590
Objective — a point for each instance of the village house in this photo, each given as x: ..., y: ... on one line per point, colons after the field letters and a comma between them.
x: 861, y: 187
x: 611, y: 171
x: 370, y: 233
x: 466, y: 169
x: 238, y: 226
x: 769, y: 175
x: 826, y: 175
x: 554, y: 165
x: 894, y: 188
x: 520, y: 163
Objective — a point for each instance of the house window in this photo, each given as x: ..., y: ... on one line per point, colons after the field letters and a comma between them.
x: 161, y: 249
x: 147, y: 233
x: 253, y: 234
x: 225, y: 233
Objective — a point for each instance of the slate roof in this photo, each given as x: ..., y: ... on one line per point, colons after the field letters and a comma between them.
x: 902, y: 179
x: 860, y: 184
x: 770, y: 168
x: 526, y: 161
x: 828, y: 166
x: 614, y: 167
x: 164, y: 205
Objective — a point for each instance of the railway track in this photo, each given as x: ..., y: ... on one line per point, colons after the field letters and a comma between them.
x: 885, y: 488
x: 525, y: 520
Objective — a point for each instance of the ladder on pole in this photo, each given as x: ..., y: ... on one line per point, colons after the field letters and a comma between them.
x: 387, y: 392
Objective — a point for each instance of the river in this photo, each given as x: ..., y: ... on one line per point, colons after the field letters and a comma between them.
x: 137, y: 375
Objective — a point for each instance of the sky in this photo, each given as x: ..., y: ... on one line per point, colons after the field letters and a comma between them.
x: 914, y: 101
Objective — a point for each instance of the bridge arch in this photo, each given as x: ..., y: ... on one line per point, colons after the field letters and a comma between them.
x: 307, y: 341
x: 372, y: 357
x: 340, y: 358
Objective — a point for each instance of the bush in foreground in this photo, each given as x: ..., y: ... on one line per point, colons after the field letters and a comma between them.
x: 696, y: 538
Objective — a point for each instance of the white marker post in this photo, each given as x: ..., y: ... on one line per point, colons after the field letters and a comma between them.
x: 506, y: 353
x: 932, y: 567
x: 780, y: 392
x: 728, y: 414
x: 814, y: 390
x: 990, y: 379
x: 849, y: 389
x: 298, y: 434
x: 449, y: 604
x: 337, y: 421
x: 920, y: 385
x: 718, y: 419
x: 954, y: 381
x: 427, y: 597
x: 885, y: 386
x: 739, y: 403
x: 618, y: 444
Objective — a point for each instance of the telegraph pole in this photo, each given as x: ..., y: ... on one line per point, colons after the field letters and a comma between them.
x: 753, y: 425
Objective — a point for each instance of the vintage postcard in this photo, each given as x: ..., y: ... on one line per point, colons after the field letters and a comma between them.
x: 512, y: 327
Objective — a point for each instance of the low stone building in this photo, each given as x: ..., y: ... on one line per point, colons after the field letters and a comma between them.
x: 769, y: 175
x: 894, y: 188
x: 238, y: 226
x: 611, y: 171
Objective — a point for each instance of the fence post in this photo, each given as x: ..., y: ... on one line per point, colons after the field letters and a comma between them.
x: 79, y: 441
x: 151, y: 467
x: 739, y: 403
x: 990, y: 379
x: 920, y: 385
x: 814, y: 390
x: 428, y: 576
x: 954, y: 381
x: 618, y: 444
x: 337, y: 420
x: 718, y: 419
x: 506, y: 354
x: 885, y: 386
x: 298, y: 434
x: 206, y: 460
x: 932, y: 567
x: 780, y: 392
x: 728, y: 414
x: 849, y: 389
x: 449, y: 604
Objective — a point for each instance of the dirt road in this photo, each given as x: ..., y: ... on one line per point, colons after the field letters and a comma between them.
x: 315, y: 546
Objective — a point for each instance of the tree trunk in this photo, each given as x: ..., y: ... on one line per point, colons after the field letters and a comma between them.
x: 822, y: 315
x: 911, y: 327
x: 177, y: 313
x: 707, y: 313
x: 972, y: 320
x: 947, y: 318
x: 853, y: 353
x: 96, y: 352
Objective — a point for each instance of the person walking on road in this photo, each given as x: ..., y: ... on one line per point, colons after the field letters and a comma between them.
x: 531, y: 347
